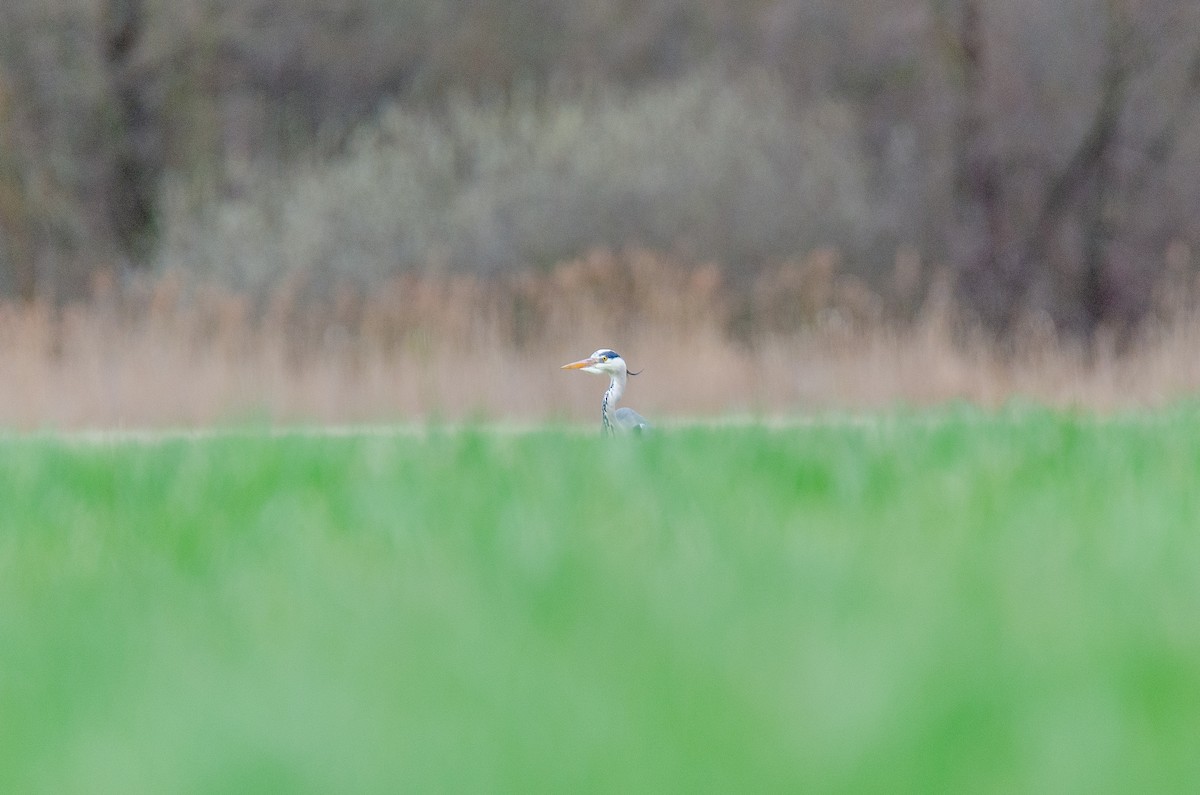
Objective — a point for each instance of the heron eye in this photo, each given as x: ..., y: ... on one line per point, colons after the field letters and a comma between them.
x: 604, y: 358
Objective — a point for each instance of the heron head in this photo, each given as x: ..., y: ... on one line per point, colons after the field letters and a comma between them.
x: 602, y: 362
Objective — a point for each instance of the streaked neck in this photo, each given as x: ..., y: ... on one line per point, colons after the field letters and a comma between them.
x: 616, y: 388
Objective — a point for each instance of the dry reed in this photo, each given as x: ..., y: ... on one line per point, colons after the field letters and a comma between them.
x: 800, y: 339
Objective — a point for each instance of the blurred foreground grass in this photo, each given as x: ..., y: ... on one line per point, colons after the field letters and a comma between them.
x: 933, y: 602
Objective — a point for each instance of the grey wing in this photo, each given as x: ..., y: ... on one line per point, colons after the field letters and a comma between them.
x: 629, y: 421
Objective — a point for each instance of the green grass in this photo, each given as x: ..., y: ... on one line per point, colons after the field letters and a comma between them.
x: 952, y: 602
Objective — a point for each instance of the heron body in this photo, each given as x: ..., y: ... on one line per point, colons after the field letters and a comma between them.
x: 613, y: 420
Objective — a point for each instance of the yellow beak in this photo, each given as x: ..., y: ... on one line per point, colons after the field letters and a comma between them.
x: 579, y: 365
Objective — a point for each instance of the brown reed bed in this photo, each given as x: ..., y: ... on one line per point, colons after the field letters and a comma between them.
x: 800, y: 339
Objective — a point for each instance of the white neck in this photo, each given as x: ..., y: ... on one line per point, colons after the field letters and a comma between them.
x: 616, y: 388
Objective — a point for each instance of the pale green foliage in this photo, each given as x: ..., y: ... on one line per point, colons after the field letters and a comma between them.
x: 945, y: 602
x: 725, y: 170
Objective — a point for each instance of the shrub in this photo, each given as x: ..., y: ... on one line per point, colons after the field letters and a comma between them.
x: 719, y: 169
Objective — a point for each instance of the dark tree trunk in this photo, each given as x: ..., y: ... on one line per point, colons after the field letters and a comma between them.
x: 136, y: 160
x: 990, y: 280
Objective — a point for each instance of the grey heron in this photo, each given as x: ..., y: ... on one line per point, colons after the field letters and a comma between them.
x: 613, y: 420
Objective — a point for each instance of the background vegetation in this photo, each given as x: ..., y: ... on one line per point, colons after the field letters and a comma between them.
x: 801, y: 337
x: 1045, y: 152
